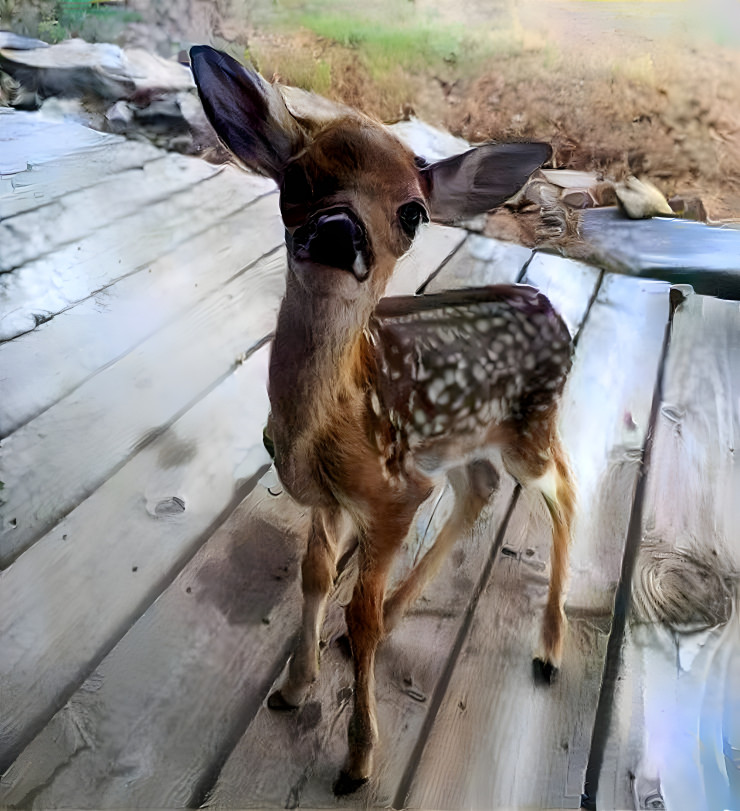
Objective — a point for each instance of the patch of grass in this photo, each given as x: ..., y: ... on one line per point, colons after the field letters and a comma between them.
x: 370, y: 57
x: 60, y: 20
x: 409, y: 44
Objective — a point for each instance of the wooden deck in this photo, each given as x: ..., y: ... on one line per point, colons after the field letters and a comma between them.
x: 150, y: 594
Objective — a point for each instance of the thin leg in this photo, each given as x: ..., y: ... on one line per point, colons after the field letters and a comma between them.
x: 318, y: 573
x: 365, y: 628
x: 561, y: 508
x: 546, y: 469
x: 472, y: 486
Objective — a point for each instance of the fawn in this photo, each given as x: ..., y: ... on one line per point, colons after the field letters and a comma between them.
x: 375, y: 402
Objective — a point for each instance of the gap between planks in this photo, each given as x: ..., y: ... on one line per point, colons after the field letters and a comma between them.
x: 675, y: 732
x: 37, y: 368
x: 622, y: 595
x: 208, y: 459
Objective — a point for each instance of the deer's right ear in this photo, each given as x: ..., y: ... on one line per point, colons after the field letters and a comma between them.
x: 248, y: 114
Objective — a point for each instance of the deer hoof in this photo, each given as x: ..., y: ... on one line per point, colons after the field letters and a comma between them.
x: 348, y: 785
x: 544, y: 672
x: 276, y: 701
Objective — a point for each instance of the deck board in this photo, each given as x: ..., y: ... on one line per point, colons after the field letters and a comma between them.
x: 118, y: 548
x: 433, y: 246
x: 480, y: 261
x: 42, y: 288
x: 676, y: 728
x: 198, y: 661
x: 492, y: 712
x: 566, y: 283
x: 43, y: 182
x: 28, y: 236
x: 59, y: 458
x: 36, y: 368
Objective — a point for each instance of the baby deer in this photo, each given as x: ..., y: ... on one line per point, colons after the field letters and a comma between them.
x: 374, y: 402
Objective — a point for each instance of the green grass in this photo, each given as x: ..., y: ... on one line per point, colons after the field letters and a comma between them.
x: 410, y: 46
x: 390, y: 35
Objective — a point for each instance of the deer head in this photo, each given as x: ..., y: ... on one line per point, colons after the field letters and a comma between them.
x: 352, y: 196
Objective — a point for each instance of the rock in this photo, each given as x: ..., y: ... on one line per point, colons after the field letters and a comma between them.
x: 690, y: 208
x: 640, y: 200
x: 76, y: 68
x: 10, y: 40
x: 571, y: 178
x: 578, y: 198
x: 175, y: 122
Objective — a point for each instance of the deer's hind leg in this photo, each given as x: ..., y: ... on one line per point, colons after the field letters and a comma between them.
x: 543, y: 466
x: 473, y: 486
x: 318, y: 573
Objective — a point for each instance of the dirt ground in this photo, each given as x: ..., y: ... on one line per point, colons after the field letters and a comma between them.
x: 644, y: 87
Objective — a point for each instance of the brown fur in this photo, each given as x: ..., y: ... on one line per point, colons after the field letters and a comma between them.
x: 346, y: 380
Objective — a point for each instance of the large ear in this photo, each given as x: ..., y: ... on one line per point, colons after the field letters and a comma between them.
x: 480, y: 179
x: 248, y: 114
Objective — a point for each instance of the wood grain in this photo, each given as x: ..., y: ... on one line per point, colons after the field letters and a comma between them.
x: 40, y: 289
x: 41, y: 367
x: 676, y: 730
x: 185, y: 679
x: 55, y: 461
x: 432, y: 246
x: 481, y: 261
x: 499, y: 740
x: 69, y: 599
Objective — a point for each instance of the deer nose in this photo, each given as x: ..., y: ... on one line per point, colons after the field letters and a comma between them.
x: 336, y: 239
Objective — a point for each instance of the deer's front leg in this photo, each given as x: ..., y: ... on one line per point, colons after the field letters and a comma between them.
x: 365, y: 628
x: 318, y: 573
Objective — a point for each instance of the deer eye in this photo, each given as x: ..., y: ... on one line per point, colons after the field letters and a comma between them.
x: 410, y: 216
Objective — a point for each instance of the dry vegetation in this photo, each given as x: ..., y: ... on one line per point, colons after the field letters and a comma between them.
x: 647, y: 88
x: 662, y: 107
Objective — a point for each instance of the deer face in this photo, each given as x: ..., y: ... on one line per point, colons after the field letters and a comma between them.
x: 352, y: 196
x: 351, y: 202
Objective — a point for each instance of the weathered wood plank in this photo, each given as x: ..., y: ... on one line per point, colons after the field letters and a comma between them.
x: 59, y: 458
x: 293, y: 759
x: 185, y: 679
x: 675, y: 733
x: 31, y: 138
x: 36, y: 233
x: 40, y: 289
x: 43, y: 182
x: 106, y: 561
x: 564, y: 281
x: 481, y: 261
x: 432, y: 246
x: 304, y: 751
x: 678, y: 251
x: 36, y: 368
x: 500, y: 741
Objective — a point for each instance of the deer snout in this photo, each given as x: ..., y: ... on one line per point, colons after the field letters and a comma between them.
x: 335, y: 238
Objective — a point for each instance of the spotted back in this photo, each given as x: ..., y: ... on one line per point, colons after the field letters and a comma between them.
x: 453, y: 363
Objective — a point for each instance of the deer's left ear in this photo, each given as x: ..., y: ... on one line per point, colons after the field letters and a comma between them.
x: 248, y: 114
x: 480, y: 179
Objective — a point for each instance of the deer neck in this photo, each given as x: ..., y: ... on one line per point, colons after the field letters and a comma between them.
x: 316, y: 362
